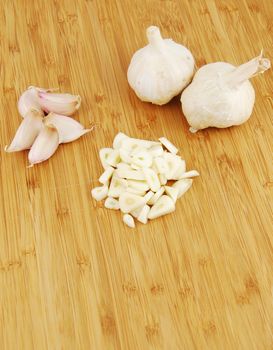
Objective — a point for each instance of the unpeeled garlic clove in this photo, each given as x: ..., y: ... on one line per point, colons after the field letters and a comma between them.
x: 30, y: 99
x: 65, y: 104
x: 68, y: 128
x: 45, y: 145
x: 27, y: 132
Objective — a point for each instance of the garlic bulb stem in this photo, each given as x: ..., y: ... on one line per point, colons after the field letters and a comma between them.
x: 154, y: 37
x: 247, y: 70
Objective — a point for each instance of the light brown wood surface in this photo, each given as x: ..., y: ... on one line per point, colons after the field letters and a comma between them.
x: 72, y: 276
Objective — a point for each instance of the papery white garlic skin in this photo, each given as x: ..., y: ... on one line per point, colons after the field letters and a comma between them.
x: 221, y: 95
x: 160, y: 70
x: 45, y: 145
x: 68, y: 128
x: 27, y: 132
x: 64, y: 104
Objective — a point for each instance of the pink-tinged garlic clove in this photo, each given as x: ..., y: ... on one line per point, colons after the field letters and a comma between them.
x: 65, y: 104
x: 68, y: 129
x: 30, y: 99
x: 27, y: 132
x: 45, y: 145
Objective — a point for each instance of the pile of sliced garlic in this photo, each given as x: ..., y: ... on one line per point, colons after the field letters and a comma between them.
x: 45, y: 123
x: 136, y: 175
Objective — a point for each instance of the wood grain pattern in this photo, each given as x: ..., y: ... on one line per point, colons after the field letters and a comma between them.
x: 72, y: 276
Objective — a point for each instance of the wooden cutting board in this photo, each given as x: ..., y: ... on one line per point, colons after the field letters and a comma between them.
x: 72, y: 276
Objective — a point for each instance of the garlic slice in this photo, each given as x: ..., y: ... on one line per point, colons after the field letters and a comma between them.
x: 27, y: 132
x: 111, y: 203
x: 148, y: 196
x: 161, y: 165
x: 114, y: 158
x: 117, y: 186
x: 99, y: 193
x: 125, y: 156
x: 162, y: 178
x: 182, y: 186
x: 181, y: 169
x: 157, y: 195
x: 129, y: 201
x: 104, y: 154
x: 164, y: 205
x: 118, y: 140
x: 170, y: 147
x: 156, y: 151
x: 129, y: 220
x: 152, y: 179
x: 106, y: 176
x: 138, y: 185
x: 131, y: 144
x: 143, y: 215
x: 45, y: 145
x: 172, y: 192
x: 142, y: 159
x: 173, y: 162
x: 130, y: 174
x: 68, y: 129
x: 135, y: 191
x: 191, y: 173
x: 65, y: 104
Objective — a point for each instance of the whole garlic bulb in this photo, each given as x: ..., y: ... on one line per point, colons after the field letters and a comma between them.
x: 160, y: 70
x: 221, y: 95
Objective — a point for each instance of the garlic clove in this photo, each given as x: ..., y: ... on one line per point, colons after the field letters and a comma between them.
x: 30, y: 99
x: 160, y: 70
x: 68, y: 129
x: 130, y: 174
x: 27, y: 132
x: 65, y: 104
x: 45, y: 145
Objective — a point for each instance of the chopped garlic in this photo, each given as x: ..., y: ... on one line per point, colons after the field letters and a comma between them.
x: 106, y: 176
x: 170, y: 147
x: 143, y: 215
x: 164, y: 205
x: 99, y: 193
x: 129, y: 220
x: 111, y: 203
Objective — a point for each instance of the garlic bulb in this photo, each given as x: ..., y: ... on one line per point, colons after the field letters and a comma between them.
x: 221, y: 95
x: 160, y: 70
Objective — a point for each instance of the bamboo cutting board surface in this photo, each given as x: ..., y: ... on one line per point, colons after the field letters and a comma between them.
x: 72, y: 276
